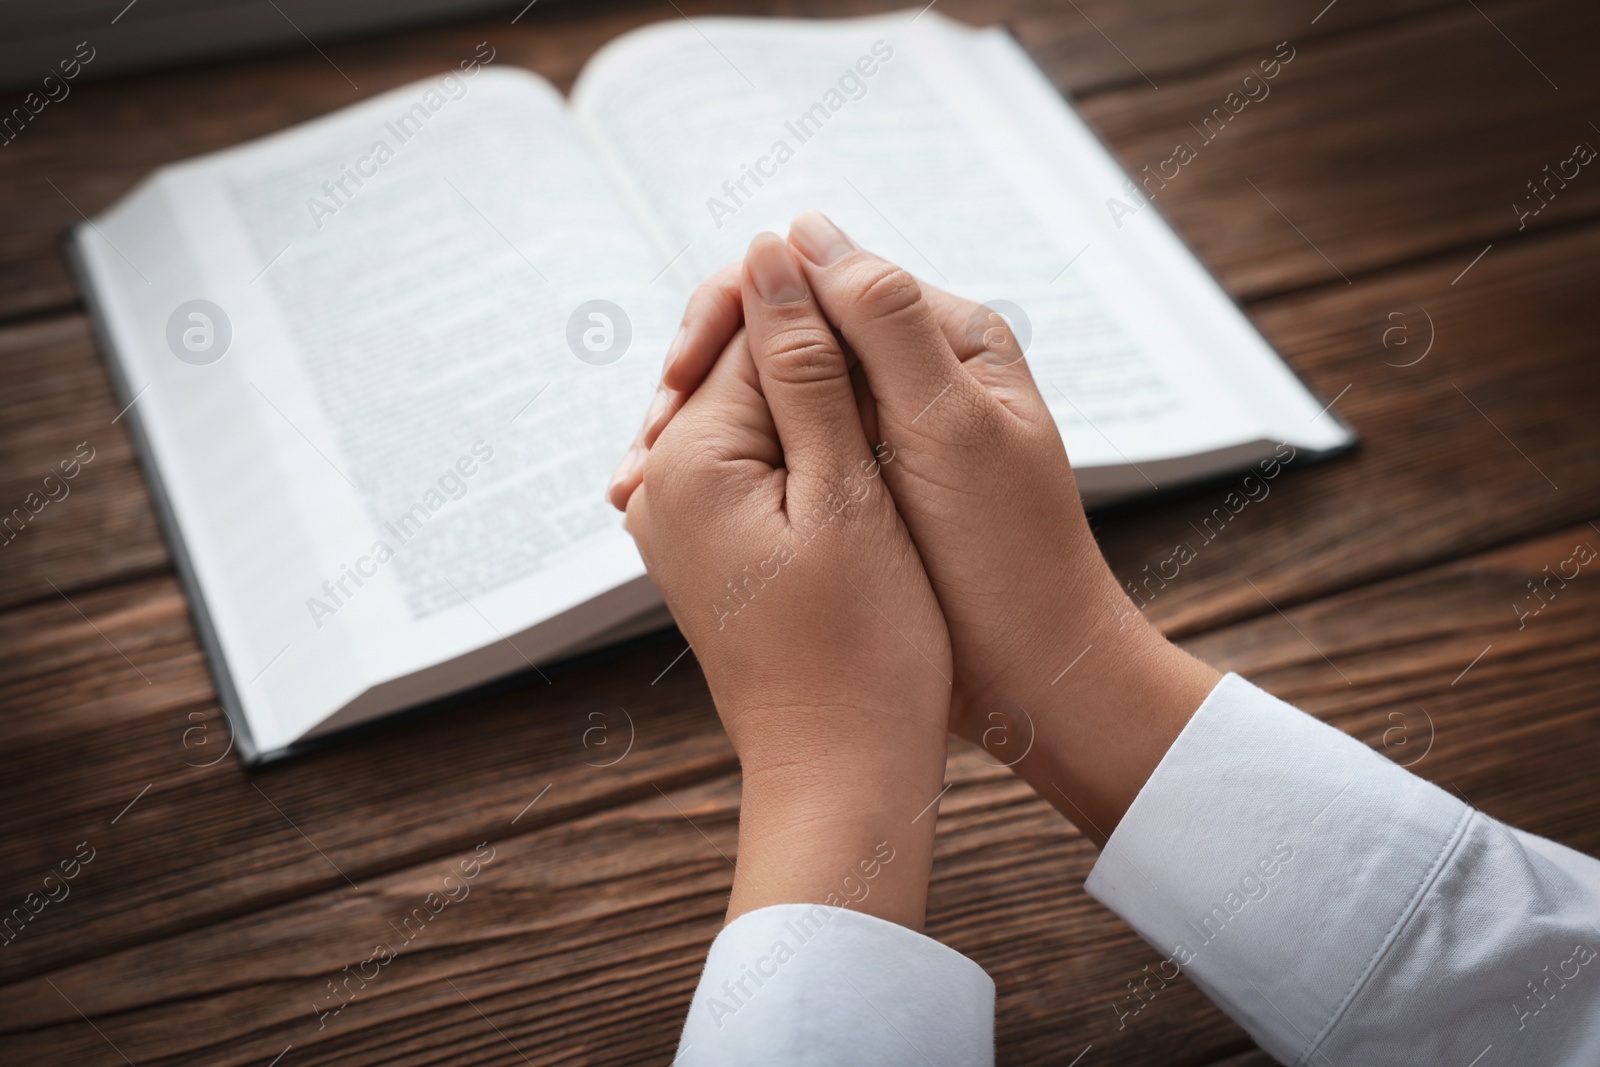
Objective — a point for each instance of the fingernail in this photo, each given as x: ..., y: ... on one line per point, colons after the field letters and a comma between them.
x: 818, y: 239
x: 673, y: 349
x: 775, y: 273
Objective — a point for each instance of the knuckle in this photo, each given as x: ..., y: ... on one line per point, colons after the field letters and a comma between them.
x: 884, y: 291
x: 802, y: 353
x: 975, y: 422
x: 676, y: 468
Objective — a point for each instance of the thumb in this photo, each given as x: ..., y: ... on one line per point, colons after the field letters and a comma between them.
x: 882, y: 313
x: 803, y: 373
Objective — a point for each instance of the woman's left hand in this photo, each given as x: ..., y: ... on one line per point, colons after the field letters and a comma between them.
x: 762, y: 515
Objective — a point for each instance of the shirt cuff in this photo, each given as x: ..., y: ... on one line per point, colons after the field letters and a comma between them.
x: 1274, y: 860
x: 804, y: 984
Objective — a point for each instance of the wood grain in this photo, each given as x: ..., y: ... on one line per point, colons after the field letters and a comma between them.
x: 581, y: 941
x: 103, y: 704
x: 536, y: 949
x: 1371, y: 150
x: 66, y: 533
x: 1487, y: 439
x: 79, y: 156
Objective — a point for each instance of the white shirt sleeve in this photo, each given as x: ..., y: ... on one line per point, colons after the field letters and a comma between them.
x: 1345, y: 911
x: 807, y: 985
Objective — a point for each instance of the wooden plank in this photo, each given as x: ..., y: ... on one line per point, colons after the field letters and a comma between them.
x: 581, y: 941
x: 56, y: 532
x: 80, y: 156
x: 122, y: 689
x: 1487, y: 437
x: 1368, y: 150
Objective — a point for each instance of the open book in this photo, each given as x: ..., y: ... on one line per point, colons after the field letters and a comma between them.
x: 380, y: 366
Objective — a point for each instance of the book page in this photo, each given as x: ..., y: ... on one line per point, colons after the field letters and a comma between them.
x: 1155, y: 272
x: 895, y: 126
x: 401, y: 455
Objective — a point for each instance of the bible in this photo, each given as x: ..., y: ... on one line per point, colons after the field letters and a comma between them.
x: 379, y: 366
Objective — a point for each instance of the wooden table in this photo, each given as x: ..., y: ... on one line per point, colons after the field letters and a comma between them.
x: 1366, y: 203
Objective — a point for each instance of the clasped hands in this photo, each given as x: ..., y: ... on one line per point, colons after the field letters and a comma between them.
x: 861, y: 514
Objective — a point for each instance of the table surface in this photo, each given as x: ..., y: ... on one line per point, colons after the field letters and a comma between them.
x: 1364, y: 216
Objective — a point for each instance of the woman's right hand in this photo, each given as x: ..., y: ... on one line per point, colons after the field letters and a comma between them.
x: 1056, y: 671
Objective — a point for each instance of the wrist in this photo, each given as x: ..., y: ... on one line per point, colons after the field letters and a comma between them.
x: 1101, y: 729
x: 845, y: 832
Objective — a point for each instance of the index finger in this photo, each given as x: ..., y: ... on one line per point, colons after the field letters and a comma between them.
x: 713, y: 315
